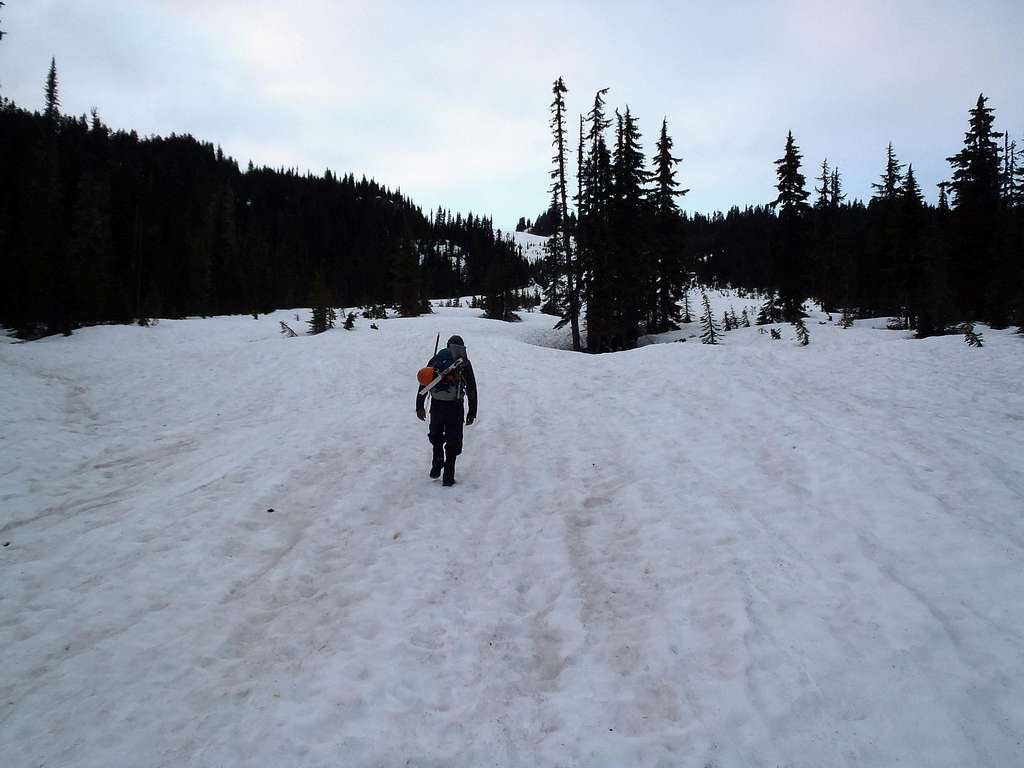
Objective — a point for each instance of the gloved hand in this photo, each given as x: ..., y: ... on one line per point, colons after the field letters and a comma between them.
x: 470, y: 420
x: 421, y: 414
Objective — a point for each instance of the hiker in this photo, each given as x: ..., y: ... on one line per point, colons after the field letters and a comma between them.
x: 446, y: 412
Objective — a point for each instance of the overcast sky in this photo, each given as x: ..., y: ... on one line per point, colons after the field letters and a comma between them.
x: 449, y: 100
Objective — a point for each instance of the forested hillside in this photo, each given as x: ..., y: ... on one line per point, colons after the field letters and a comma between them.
x: 101, y: 225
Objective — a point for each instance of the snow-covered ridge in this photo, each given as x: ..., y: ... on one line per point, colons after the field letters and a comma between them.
x: 223, y: 549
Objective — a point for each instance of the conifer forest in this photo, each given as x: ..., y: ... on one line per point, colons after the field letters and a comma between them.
x: 100, y: 225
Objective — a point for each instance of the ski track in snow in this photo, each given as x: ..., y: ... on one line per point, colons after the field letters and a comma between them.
x: 745, y: 555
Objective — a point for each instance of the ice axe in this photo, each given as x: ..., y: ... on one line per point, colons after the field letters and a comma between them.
x: 425, y: 376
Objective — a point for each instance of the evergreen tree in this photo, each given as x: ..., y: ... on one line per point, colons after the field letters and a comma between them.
x: 836, y: 196
x: 984, y: 274
x: 687, y: 316
x: 562, y: 254
x: 1017, y: 177
x: 592, y: 230
x: 911, y: 230
x: 911, y: 190
x: 631, y: 270
x: 711, y: 333
x: 892, y: 179
x: 407, y: 281
x: 498, y: 302
x: 972, y: 337
x: 802, y: 335
x: 885, y: 258
x: 323, y: 315
x: 976, y: 167
x: 789, y: 257
x: 1009, y: 172
x: 792, y: 194
x: 772, y: 311
x: 825, y: 217
x: 52, y: 111
x: 937, y: 303
x: 350, y: 321
x: 666, y: 241
x: 825, y: 190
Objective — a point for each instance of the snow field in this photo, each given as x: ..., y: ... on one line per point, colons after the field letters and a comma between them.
x: 744, y: 555
x: 533, y: 245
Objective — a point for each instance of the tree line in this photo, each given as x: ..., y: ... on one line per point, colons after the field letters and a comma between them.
x: 98, y: 225
x: 619, y: 264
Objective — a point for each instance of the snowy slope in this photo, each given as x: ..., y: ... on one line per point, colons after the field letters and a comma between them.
x: 533, y: 245
x: 747, y: 555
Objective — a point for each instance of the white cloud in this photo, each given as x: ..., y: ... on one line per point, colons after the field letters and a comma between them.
x: 449, y: 100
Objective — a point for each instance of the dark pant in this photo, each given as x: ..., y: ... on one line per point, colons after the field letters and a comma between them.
x: 446, y: 418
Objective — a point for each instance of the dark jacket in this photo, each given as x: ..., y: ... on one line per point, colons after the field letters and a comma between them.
x: 468, y: 378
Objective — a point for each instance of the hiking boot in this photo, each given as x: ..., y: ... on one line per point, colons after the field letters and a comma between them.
x: 435, y: 470
x: 449, y: 472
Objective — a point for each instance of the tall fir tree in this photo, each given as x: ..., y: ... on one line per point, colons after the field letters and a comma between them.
x: 983, y: 271
x: 836, y: 196
x: 892, y: 179
x: 632, y: 270
x: 824, y: 253
x: 885, y: 257
x: 666, y: 241
x: 564, y: 262
x: 592, y: 231
x: 687, y: 316
x: 912, y: 221
x: 499, y: 301
x: 789, y: 251
x: 825, y: 190
x: 52, y: 109
x: 711, y: 332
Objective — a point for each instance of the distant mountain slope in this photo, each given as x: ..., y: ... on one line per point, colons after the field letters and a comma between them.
x: 533, y: 245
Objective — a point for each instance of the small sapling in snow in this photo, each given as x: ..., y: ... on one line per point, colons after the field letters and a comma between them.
x: 973, y: 338
x: 711, y: 332
x: 801, y: 332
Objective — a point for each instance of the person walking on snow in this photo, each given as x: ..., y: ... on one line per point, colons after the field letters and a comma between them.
x: 446, y: 412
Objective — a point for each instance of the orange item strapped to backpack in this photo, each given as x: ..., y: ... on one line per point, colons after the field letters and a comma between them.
x: 425, y: 375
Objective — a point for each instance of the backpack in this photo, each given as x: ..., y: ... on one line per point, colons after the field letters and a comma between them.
x: 453, y: 386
